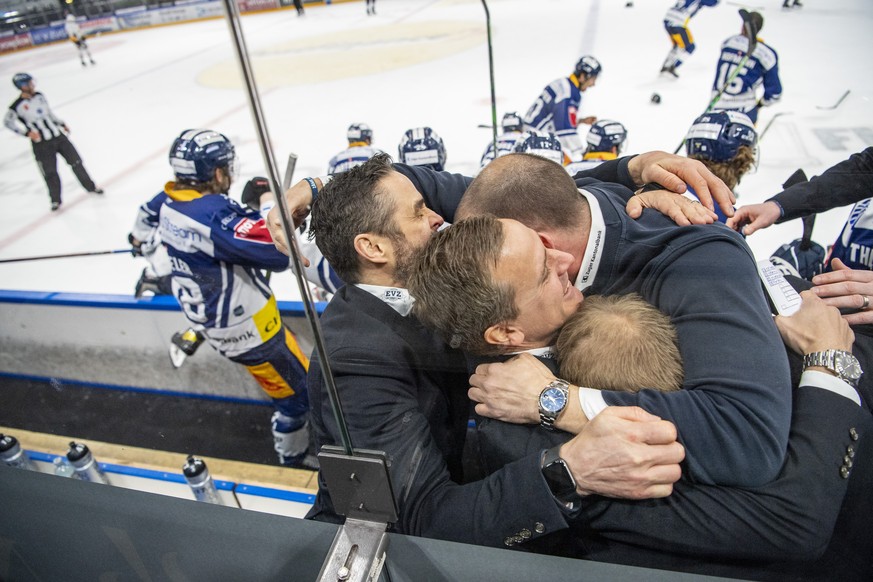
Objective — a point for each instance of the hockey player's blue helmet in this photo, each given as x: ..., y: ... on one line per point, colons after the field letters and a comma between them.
x: 20, y: 80
x: 589, y: 66
x: 540, y: 143
x: 793, y: 259
x: 606, y: 134
x: 512, y: 122
x: 422, y: 146
x: 359, y: 132
x: 718, y: 135
x: 197, y: 153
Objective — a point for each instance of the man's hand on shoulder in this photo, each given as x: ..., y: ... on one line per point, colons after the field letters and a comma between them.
x: 682, y: 210
x: 625, y: 452
x: 674, y: 172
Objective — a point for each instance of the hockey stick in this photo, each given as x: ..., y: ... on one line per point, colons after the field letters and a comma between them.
x: 66, y: 256
x: 837, y: 104
x: 769, y: 123
x: 799, y: 177
x: 286, y: 183
x: 491, y: 71
x: 485, y: 126
x: 751, y: 31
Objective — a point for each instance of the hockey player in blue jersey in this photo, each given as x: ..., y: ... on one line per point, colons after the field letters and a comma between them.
x: 556, y: 109
x: 360, y: 150
x: 422, y: 146
x: 606, y: 140
x: 848, y: 182
x: 512, y: 127
x: 761, y: 68
x: 217, y: 249
x: 726, y: 143
x: 676, y: 24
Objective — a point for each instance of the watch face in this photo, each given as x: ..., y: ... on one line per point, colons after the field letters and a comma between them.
x: 560, y: 480
x: 848, y: 366
x: 553, y: 400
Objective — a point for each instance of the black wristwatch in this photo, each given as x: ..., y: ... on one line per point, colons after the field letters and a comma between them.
x: 558, y: 476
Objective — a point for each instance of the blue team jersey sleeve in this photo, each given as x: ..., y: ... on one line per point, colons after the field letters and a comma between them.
x: 240, y: 236
x: 772, y: 84
x: 148, y: 218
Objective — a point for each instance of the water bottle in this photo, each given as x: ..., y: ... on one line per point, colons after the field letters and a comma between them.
x: 84, y: 464
x: 200, y: 481
x: 63, y: 468
x: 12, y: 455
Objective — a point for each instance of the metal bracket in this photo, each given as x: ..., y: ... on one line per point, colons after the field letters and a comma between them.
x: 360, y: 489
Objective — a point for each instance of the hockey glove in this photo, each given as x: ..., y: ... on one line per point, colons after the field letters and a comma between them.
x: 253, y: 191
x: 135, y: 245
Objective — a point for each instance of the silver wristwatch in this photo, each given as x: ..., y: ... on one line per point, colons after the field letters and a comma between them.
x: 840, y: 362
x: 552, y: 402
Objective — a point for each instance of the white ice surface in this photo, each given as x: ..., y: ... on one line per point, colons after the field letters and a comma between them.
x: 418, y: 62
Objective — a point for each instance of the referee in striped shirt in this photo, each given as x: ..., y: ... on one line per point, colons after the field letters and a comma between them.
x: 29, y: 116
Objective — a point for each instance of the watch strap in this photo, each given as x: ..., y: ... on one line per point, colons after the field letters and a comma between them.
x: 558, y: 476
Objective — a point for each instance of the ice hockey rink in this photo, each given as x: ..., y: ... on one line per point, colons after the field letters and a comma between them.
x: 418, y: 62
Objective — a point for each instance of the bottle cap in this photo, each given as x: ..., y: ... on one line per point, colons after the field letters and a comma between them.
x: 77, y: 452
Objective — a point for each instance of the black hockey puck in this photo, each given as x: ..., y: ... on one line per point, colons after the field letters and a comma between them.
x: 630, y: 4
x: 656, y: 98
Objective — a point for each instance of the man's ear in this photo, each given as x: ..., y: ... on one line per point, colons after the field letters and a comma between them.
x: 371, y: 248
x: 504, y: 334
x: 546, y: 239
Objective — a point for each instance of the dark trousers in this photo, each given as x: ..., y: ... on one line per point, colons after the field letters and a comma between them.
x: 46, y: 154
x: 298, y: 4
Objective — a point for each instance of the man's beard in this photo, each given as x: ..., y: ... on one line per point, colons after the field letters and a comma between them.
x: 404, y: 256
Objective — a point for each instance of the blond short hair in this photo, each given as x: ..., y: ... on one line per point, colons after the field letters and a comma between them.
x: 622, y: 343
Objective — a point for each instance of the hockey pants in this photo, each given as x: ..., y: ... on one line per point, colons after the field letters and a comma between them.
x: 46, y: 154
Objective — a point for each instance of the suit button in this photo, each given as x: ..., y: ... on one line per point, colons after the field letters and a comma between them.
x: 850, y: 450
x: 525, y: 534
x: 539, y: 528
x: 847, y: 461
x: 853, y: 433
x: 507, y: 541
x: 844, y: 472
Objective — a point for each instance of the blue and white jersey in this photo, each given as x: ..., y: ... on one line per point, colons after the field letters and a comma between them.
x: 855, y: 244
x: 761, y: 68
x: 355, y: 155
x: 319, y: 272
x: 505, y: 143
x: 589, y: 161
x: 145, y: 230
x: 217, y: 249
x: 145, y: 227
x: 683, y: 11
x: 555, y: 111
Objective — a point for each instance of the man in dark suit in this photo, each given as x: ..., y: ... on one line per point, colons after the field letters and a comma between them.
x: 439, y: 507
x: 761, y: 522
x: 403, y: 391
